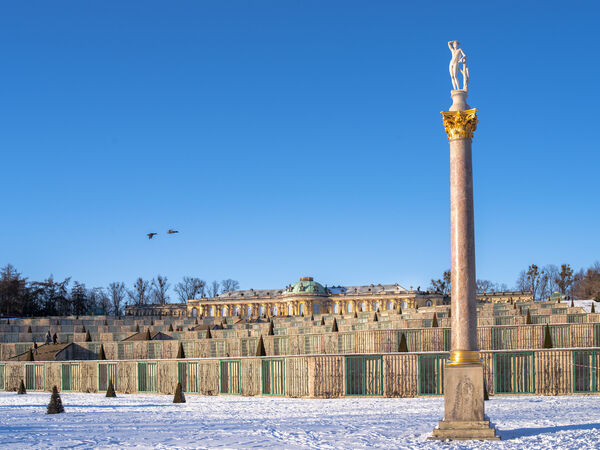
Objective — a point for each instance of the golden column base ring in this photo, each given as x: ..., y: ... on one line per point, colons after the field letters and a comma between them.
x: 464, y: 357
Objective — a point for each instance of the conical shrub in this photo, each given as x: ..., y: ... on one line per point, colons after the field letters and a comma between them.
x: 593, y: 311
x: 137, y: 328
x: 402, y: 346
x: 21, y: 389
x: 88, y: 337
x: 180, y: 352
x: 434, y: 322
x: 399, y: 310
x: 260, y: 348
x: 271, y: 330
x: 170, y: 327
x: 528, y: 318
x: 334, y: 327
x: 151, y: 322
x: 572, y: 303
x: 54, y: 338
x: 105, y: 323
x: 148, y: 336
x: 55, y: 406
x: 355, y: 315
x: 179, y: 396
x: 322, y: 321
x: 196, y: 321
x: 29, y: 329
x: 312, y: 317
x: 208, y: 334
x: 376, y: 318
x: 547, y: 337
x: 83, y: 330
x: 101, y: 354
x: 110, y: 390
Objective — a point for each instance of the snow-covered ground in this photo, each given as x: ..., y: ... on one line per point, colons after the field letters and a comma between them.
x: 92, y: 420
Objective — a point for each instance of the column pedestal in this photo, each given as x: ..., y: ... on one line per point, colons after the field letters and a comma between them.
x: 463, y: 406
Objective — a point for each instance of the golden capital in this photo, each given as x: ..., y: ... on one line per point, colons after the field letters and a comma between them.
x: 460, y: 124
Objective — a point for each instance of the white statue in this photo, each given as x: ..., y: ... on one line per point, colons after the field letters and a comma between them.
x: 458, y: 56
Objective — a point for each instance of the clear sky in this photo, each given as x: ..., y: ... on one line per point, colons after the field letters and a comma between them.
x: 292, y: 138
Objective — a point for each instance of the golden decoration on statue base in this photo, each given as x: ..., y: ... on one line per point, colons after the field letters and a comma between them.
x: 464, y: 357
x: 460, y: 124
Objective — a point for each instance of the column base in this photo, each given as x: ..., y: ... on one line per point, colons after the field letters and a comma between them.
x: 464, y: 417
x: 464, y: 431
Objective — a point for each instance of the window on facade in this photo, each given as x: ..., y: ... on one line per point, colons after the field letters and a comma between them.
x: 106, y: 373
x: 70, y: 377
x: 224, y: 311
x: 364, y: 375
x: 336, y: 308
x: 124, y: 350
x: 236, y: 311
x: 229, y: 375
x: 194, y: 312
x: 147, y: 377
x: 261, y: 310
x: 249, y: 311
x: 404, y: 304
x: 428, y: 303
x: 376, y: 306
x: 301, y: 309
x: 188, y: 374
x: 390, y: 305
x: 211, y: 311
x: 349, y: 307
x: 155, y: 350
x: 290, y: 310
x: 315, y: 308
x: 274, y: 311
x: 35, y: 377
x: 363, y: 306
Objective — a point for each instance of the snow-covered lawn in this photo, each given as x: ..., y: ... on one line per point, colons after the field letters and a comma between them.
x: 91, y: 420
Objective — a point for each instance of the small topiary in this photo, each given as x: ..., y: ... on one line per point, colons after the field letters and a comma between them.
x: 180, y: 352
x: 528, y: 318
x: 376, y: 318
x: 334, y: 327
x: 55, y: 406
x: 29, y: 329
x: 110, y: 390
x: 434, y: 323
x: 572, y: 303
x: 170, y: 327
x: 399, y: 310
x: 105, y: 323
x: 151, y: 322
x: 83, y: 330
x: 88, y: 337
x: 547, y: 337
x: 593, y: 311
x: 322, y: 321
x: 208, y: 334
x: 21, y: 389
x: 148, y: 336
x: 260, y: 347
x: 402, y: 346
x: 179, y: 396
x: 271, y: 330
x: 101, y: 354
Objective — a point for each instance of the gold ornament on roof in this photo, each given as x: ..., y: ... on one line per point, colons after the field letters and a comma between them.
x: 460, y: 124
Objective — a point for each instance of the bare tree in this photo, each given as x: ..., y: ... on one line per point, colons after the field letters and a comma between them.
x: 485, y: 286
x: 99, y: 298
x: 116, y: 292
x: 214, y: 289
x: 160, y: 290
x: 564, y: 278
x: 586, y: 283
x: 443, y: 285
x: 529, y: 280
x: 229, y: 285
x: 140, y: 295
x: 190, y: 288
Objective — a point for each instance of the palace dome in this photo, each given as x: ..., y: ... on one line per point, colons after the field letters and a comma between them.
x: 306, y: 285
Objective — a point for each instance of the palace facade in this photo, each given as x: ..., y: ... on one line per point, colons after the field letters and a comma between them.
x: 308, y: 297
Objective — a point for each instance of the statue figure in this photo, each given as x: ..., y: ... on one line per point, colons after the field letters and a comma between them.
x: 458, y: 56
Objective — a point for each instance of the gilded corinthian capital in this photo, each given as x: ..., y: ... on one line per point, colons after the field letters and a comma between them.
x: 460, y: 124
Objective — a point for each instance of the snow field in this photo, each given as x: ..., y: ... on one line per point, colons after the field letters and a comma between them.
x: 92, y: 420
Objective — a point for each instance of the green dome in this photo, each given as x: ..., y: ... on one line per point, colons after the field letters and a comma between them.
x: 306, y: 285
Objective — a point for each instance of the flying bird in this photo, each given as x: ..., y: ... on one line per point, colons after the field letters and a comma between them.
x: 151, y: 235
x: 171, y: 231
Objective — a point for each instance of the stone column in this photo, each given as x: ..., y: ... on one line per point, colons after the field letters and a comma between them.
x: 463, y: 379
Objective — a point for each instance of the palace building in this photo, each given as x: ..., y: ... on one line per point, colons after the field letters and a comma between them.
x: 308, y: 297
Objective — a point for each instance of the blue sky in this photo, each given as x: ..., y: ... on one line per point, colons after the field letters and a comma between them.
x: 292, y: 138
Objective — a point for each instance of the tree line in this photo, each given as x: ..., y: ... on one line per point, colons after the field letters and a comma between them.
x: 50, y: 297
x: 541, y: 281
